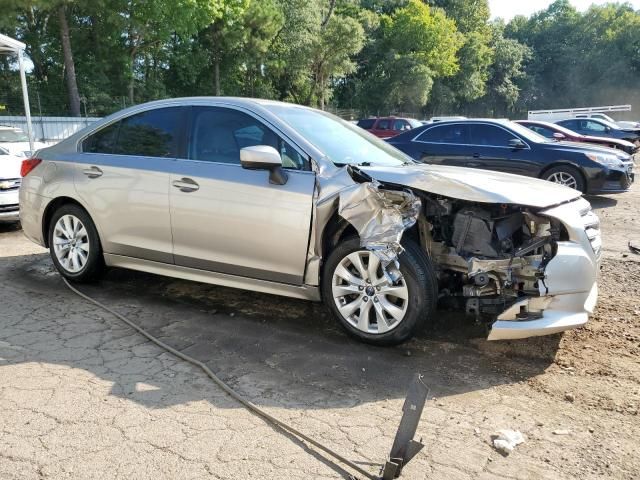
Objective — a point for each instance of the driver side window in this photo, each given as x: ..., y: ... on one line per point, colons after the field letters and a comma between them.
x: 217, y: 134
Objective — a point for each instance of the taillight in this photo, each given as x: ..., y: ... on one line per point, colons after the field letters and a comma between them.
x: 28, y: 165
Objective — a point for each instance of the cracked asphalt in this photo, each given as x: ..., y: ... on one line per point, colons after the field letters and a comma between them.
x: 84, y: 396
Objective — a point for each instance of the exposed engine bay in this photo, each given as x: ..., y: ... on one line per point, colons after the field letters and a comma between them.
x: 487, y: 256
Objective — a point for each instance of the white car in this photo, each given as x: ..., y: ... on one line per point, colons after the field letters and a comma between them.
x: 10, y: 180
x: 16, y: 142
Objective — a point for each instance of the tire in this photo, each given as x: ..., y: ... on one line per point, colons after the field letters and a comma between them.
x: 418, y: 284
x: 566, y: 175
x: 82, y: 260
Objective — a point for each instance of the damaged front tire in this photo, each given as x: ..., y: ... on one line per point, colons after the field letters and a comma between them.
x: 370, y: 306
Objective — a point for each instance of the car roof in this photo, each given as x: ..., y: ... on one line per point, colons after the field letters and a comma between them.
x: 495, y: 121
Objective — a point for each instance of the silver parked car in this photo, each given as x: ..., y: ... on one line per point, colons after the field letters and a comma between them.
x: 285, y: 199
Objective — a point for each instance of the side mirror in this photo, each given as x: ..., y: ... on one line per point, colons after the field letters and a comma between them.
x: 264, y: 157
x: 517, y: 144
x: 559, y: 136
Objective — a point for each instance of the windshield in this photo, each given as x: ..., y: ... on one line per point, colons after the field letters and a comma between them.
x: 608, y: 124
x: 528, y: 134
x: 3, y: 151
x: 342, y: 142
x: 13, y: 136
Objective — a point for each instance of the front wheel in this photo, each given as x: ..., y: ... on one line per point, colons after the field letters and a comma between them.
x: 370, y: 307
x: 74, y: 244
x: 567, y: 176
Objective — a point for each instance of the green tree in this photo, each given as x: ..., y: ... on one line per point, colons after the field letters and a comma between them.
x: 413, y: 46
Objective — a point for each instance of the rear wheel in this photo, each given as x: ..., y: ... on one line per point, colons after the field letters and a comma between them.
x: 74, y: 244
x: 567, y: 176
x: 370, y: 307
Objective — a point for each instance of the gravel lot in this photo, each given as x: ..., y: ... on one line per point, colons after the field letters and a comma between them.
x: 82, y: 396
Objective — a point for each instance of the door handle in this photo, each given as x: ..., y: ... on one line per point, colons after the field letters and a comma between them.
x: 476, y: 155
x: 92, y: 172
x: 186, y: 185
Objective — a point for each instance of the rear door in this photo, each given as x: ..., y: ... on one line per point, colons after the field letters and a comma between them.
x: 231, y: 220
x: 122, y: 177
x: 445, y: 144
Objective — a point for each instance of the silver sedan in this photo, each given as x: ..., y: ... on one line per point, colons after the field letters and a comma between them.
x: 285, y: 199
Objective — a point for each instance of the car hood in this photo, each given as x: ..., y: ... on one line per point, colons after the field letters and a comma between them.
x: 616, y: 141
x: 10, y: 166
x: 579, y: 147
x: 475, y: 185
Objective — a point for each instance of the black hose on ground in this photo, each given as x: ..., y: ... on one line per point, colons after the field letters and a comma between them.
x: 231, y: 392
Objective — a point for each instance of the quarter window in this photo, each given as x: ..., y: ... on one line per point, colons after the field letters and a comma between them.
x: 217, y: 135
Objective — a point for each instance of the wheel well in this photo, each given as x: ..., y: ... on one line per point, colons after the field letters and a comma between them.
x: 565, y: 164
x: 337, y: 229
x: 50, y: 210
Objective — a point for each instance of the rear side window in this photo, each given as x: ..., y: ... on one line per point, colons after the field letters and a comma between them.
x: 401, y: 125
x: 153, y: 133
x: 594, y: 126
x: 217, y: 134
x: 490, y: 135
x: 383, y: 125
x: 367, y: 123
x: 455, y: 134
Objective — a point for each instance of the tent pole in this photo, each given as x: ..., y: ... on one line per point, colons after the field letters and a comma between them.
x: 25, y: 96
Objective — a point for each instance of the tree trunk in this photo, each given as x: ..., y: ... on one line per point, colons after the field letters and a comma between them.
x: 69, y: 66
x: 216, y: 75
x: 131, y: 86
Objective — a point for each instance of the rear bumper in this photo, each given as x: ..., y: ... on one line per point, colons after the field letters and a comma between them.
x: 569, y: 290
x: 9, y: 209
x: 13, y: 216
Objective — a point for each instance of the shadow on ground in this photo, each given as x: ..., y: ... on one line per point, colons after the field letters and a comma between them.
x: 277, y: 351
x: 598, y: 202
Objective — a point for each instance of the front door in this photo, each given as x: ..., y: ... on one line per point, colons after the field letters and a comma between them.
x: 231, y: 220
x: 492, y: 150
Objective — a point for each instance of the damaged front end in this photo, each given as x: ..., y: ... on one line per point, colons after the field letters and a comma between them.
x: 522, y: 271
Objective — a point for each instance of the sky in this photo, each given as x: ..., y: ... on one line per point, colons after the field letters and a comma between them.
x: 507, y: 9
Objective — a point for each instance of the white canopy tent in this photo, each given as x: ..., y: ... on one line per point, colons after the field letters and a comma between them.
x: 9, y: 46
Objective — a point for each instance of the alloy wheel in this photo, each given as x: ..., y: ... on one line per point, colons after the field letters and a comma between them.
x: 563, y: 178
x: 364, y: 297
x: 71, y: 243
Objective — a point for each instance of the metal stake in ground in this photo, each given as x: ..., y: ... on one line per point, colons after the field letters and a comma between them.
x: 404, y: 446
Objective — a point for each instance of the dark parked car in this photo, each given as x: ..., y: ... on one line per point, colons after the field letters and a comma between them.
x: 558, y: 132
x: 387, y: 127
x: 601, y: 128
x: 509, y: 147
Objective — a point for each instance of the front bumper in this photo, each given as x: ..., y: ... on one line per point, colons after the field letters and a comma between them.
x: 615, y: 181
x: 569, y: 290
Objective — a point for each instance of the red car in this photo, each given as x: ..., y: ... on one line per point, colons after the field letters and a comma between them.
x: 387, y: 127
x: 552, y: 130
